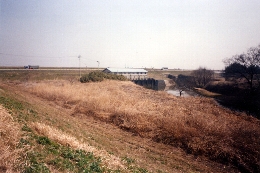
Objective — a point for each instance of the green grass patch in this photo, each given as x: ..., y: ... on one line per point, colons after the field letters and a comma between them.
x: 46, y: 153
x: 131, y: 167
x: 41, y: 153
x: 11, y: 104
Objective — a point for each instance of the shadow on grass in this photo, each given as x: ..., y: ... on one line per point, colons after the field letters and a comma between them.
x: 237, y: 98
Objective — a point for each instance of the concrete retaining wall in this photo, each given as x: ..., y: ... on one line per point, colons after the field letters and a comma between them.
x: 151, y: 83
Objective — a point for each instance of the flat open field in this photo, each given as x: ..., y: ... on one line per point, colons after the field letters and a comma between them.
x: 13, y: 73
x: 127, y: 128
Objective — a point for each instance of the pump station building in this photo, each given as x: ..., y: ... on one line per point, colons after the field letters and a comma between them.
x: 129, y: 73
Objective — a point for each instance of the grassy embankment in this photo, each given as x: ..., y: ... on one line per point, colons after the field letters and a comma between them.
x: 45, y: 139
x: 31, y: 146
x: 30, y: 142
x: 197, y: 125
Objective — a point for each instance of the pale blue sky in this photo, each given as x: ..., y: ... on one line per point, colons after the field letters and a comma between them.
x: 182, y: 34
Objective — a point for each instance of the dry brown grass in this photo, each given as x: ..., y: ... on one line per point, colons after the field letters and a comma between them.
x: 198, y: 125
x: 10, y: 135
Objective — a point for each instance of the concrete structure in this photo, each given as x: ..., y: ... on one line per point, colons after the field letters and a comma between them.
x: 151, y: 83
x: 130, y: 73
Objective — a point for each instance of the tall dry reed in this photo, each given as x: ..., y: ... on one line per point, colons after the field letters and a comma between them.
x: 9, y: 138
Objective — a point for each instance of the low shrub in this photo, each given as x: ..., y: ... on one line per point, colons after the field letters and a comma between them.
x: 185, y: 81
x: 97, y: 76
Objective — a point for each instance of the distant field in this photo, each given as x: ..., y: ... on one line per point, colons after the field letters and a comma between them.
x: 41, y: 74
x: 162, y: 74
x: 13, y: 73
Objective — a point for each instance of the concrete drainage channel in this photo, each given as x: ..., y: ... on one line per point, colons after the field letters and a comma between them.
x: 163, y: 85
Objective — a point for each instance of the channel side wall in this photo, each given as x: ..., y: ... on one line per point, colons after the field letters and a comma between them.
x: 151, y: 83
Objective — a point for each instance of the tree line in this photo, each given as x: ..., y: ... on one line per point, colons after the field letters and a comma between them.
x: 245, y: 66
x: 241, y: 88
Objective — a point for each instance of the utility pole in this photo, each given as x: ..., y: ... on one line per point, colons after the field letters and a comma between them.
x: 98, y: 64
x: 79, y: 67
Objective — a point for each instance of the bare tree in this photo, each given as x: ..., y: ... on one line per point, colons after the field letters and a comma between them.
x: 245, y: 66
x: 202, y: 76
